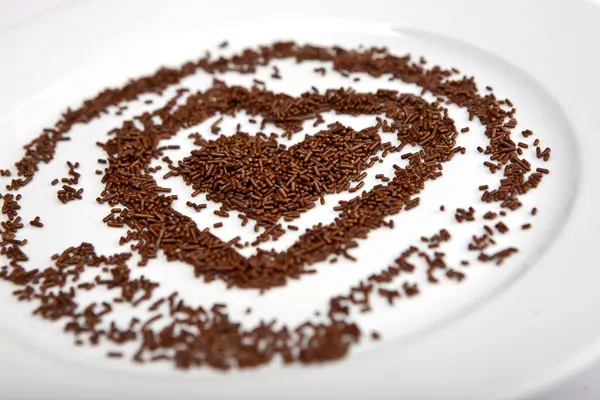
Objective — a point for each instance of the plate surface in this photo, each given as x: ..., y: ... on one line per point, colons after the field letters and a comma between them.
x: 504, y: 332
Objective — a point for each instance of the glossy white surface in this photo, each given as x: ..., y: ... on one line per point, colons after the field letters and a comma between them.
x: 515, y: 370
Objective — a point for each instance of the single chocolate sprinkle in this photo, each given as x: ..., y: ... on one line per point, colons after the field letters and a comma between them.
x: 36, y: 222
x: 501, y: 227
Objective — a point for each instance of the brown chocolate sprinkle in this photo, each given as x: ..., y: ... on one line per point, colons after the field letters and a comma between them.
x: 36, y: 222
x: 69, y: 193
x: 410, y: 290
x: 455, y: 275
x: 465, y: 215
x: 214, y: 128
x: 490, y: 215
x: 526, y: 226
x: 527, y: 133
x: 499, y: 256
x: 275, y: 74
x: 501, y: 227
x: 197, y: 207
x: 74, y: 175
x: 320, y: 70
x: 265, y: 181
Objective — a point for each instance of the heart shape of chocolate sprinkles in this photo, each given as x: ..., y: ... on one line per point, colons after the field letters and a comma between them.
x: 267, y: 182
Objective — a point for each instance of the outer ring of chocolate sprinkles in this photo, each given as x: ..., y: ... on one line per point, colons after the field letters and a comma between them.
x: 330, y: 340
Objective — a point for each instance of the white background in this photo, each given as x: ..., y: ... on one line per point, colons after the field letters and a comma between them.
x: 17, y: 12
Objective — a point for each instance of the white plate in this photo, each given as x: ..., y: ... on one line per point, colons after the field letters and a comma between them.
x: 503, y: 333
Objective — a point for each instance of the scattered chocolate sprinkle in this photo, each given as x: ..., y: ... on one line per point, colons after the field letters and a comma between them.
x: 275, y: 74
x: 36, y: 222
x: 499, y: 256
x: 214, y: 128
x: 389, y: 295
x: 195, y: 206
x: 501, y: 227
x: 455, y: 275
x: 69, y: 193
x: 410, y: 289
x: 527, y: 133
x: 465, y: 215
